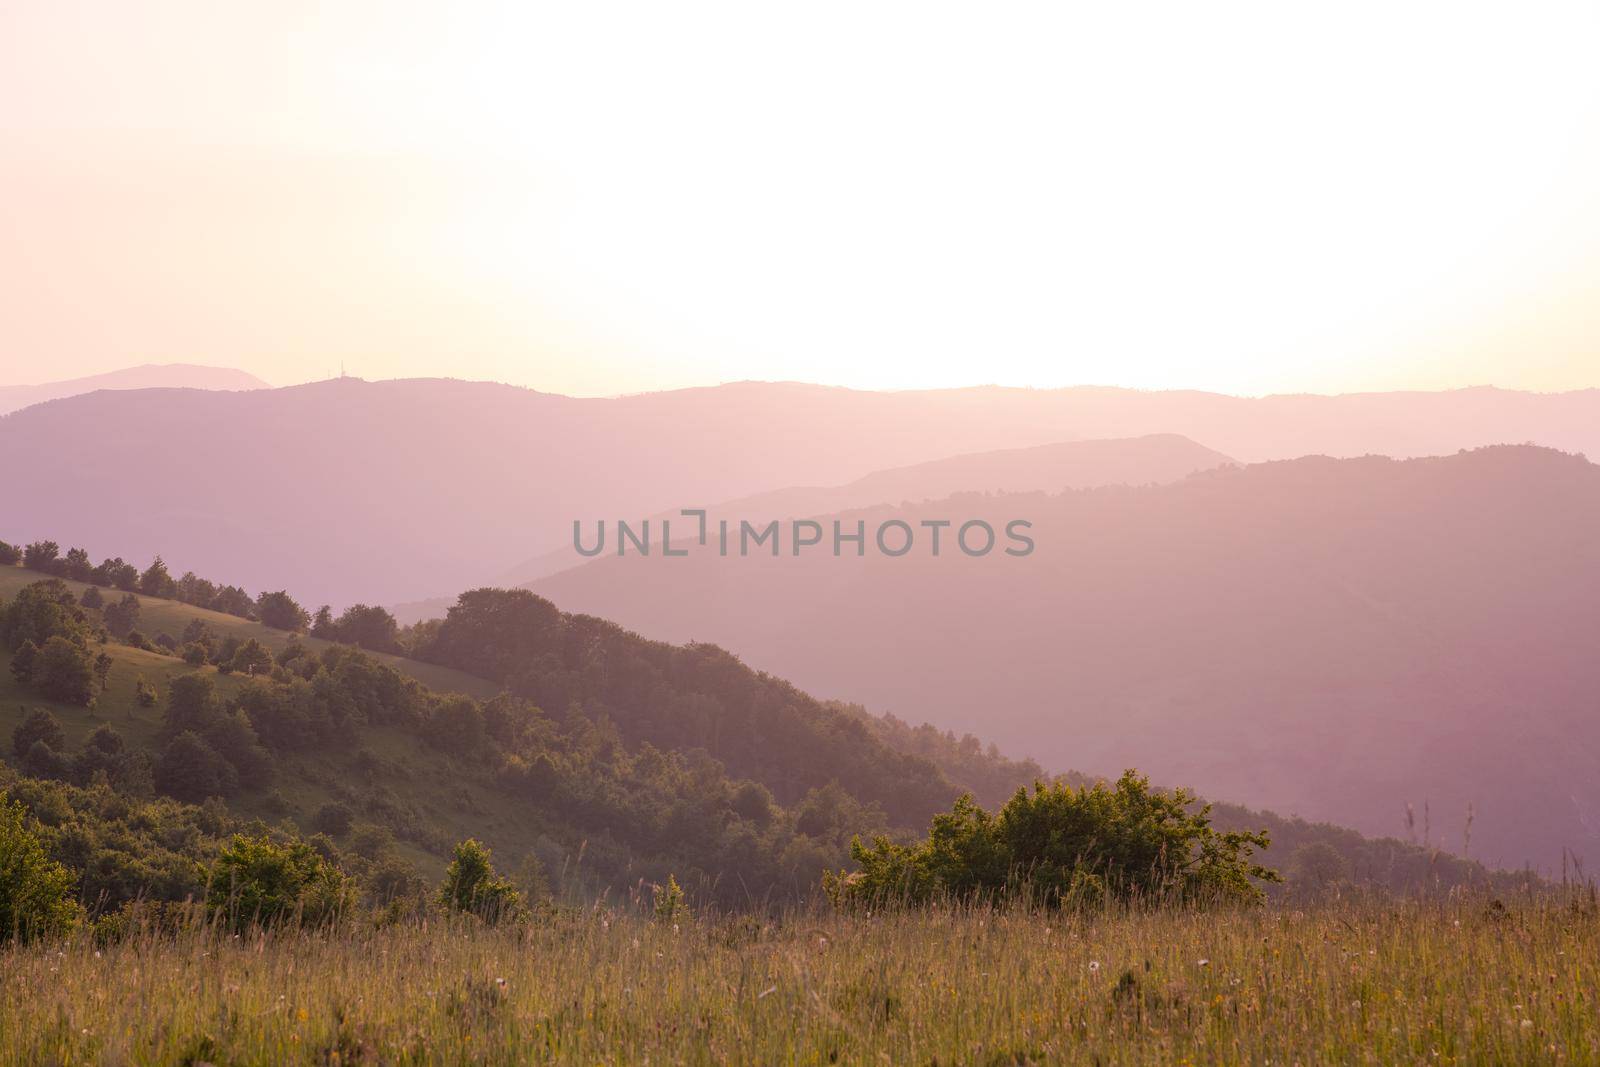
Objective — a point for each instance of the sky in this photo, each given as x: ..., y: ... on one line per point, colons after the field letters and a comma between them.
x: 599, y: 198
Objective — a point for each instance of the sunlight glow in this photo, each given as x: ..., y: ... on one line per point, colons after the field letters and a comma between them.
x: 599, y: 198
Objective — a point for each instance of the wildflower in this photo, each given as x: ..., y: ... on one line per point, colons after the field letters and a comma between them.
x: 1205, y: 962
x: 1094, y: 966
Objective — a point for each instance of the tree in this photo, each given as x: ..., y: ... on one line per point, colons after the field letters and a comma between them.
x: 189, y: 769
x: 280, y: 611
x: 92, y: 598
x: 39, y: 725
x: 104, y: 751
x: 42, y: 610
x: 43, y: 761
x: 753, y: 802
x: 144, y: 692
x: 1316, y: 868
x: 22, y: 662
x: 155, y: 581
x: 322, y: 624
x: 251, y: 657
x: 10, y: 555
x: 115, y: 574
x: 456, y: 725
x: 102, y: 670
x: 122, y: 616
x: 258, y: 882
x: 35, y: 891
x: 471, y: 885
x: 333, y: 819
x: 365, y: 625
x: 76, y: 565
x: 1062, y: 846
x: 63, y: 671
x: 232, y: 600
x: 192, y: 704
x: 41, y: 556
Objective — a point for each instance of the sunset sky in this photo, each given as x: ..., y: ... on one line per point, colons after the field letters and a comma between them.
x: 598, y: 198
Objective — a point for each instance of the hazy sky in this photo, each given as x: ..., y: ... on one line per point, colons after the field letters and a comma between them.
x: 598, y: 198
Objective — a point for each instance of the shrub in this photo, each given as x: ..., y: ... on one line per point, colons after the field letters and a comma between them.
x: 35, y: 891
x: 258, y: 882
x: 92, y: 598
x: 669, y: 903
x: 1064, y: 846
x: 471, y: 885
x: 333, y: 819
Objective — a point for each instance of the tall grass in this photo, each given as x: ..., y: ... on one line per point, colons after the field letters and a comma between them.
x: 1463, y: 981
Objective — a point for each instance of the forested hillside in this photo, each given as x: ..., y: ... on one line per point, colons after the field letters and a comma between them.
x: 144, y: 731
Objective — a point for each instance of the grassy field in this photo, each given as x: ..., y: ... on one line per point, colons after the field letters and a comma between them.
x: 1470, y: 981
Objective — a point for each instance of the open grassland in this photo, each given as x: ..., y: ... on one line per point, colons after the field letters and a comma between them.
x: 1467, y: 981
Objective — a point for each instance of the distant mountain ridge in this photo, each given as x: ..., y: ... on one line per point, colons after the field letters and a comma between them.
x: 400, y: 490
x: 146, y: 376
x: 1338, y: 638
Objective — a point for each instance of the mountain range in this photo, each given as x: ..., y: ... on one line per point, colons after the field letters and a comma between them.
x: 147, y: 376
x: 391, y: 491
x: 1336, y: 638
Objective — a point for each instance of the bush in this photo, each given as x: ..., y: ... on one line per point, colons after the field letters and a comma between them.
x: 333, y: 819
x: 35, y: 891
x: 10, y: 555
x: 258, y: 882
x: 1064, y: 846
x: 471, y: 885
x: 92, y: 598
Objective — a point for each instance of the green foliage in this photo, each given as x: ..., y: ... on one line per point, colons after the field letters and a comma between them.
x: 40, y: 611
x: 281, y: 612
x: 22, y: 662
x: 155, y: 581
x: 41, y: 556
x: 333, y: 819
x: 471, y: 885
x: 190, y: 769
x: 35, y: 891
x: 363, y: 625
x: 92, y: 598
x: 10, y: 555
x: 145, y: 693
x: 64, y: 671
x: 259, y: 882
x: 122, y: 615
x: 1060, y: 845
x: 670, y: 906
x: 250, y: 658
x: 39, y: 725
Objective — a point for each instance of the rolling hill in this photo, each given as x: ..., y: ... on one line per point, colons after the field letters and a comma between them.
x: 668, y: 740
x: 392, y: 491
x: 147, y: 376
x: 1064, y: 465
x: 1343, y: 639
